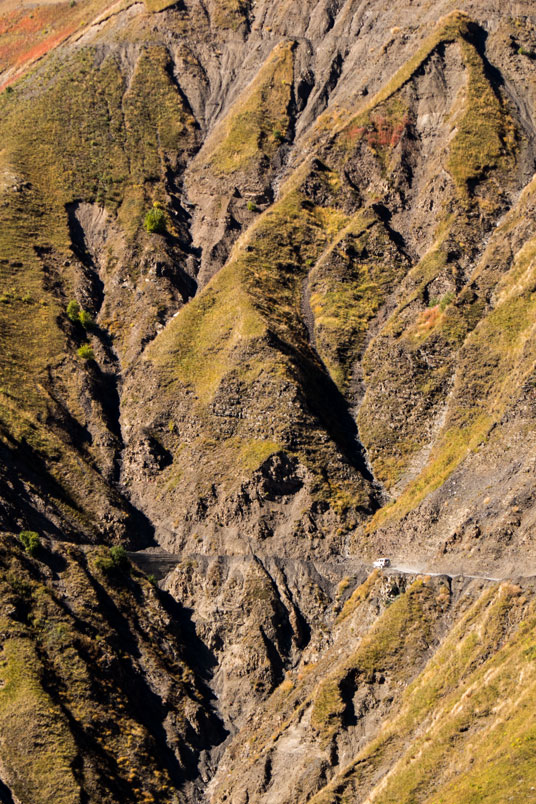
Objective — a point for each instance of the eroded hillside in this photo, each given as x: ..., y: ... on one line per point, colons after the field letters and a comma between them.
x: 322, y: 351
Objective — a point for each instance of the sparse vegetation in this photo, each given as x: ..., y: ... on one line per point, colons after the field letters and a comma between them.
x: 155, y: 221
x: 251, y: 388
x: 86, y: 319
x: 73, y: 311
x: 86, y: 352
x: 246, y: 134
x: 31, y: 541
x: 114, y: 561
x: 77, y: 315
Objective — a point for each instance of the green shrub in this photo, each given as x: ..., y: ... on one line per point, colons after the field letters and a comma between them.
x: 114, y: 562
x: 446, y: 300
x: 78, y: 315
x: 155, y: 221
x: 30, y: 540
x: 119, y: 556
x: 278, y: 136
x: 86, y: 352
x: 86, y: 319
x: 73, y: 311
x: 524, y: 51
x: 252, y: 206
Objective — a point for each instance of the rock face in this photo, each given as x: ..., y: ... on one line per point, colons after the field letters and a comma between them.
x: 322, y: 352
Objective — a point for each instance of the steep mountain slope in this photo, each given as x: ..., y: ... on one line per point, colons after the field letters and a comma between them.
x: 267, y: 304
x: 102, y: 681
x: 395, y: 709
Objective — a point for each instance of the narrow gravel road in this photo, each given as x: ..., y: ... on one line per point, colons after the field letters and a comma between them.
x: 406, y: 569
x: 160, y: 563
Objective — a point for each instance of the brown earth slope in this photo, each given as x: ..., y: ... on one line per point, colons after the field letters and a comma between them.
x: 323, y: 351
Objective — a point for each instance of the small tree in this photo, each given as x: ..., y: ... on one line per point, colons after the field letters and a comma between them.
x: 86, y: 352
x: 86, y: 319
x: 30, y: 540
x: 73, y: 311
x: 119, y: 556
x: 114, y: 562
x: 155, y: 221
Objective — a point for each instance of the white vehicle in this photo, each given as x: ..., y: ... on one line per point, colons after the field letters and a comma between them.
x: 380, y: 563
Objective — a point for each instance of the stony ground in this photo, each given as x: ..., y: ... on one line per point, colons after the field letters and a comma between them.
x: 322, y: 353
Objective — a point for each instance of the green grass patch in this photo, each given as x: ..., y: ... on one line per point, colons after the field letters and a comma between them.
x: 155, y: 221
x: 31, y: 541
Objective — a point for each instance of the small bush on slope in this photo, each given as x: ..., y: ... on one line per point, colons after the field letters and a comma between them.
x: 155, y: 221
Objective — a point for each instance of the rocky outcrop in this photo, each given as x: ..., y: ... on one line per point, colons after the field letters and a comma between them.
x: 301, y: 242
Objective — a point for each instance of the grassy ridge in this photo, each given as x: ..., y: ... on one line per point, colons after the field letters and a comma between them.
x: 462, y: 718
x: 453, y: 678
x: 480, y: 154
x: 72, y: 131
x: 496, y: 356
x: 392, y: 645
x: 485, y: 135
x: 255, y: 125
x: 247, y: 327
x: 348, y: 285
